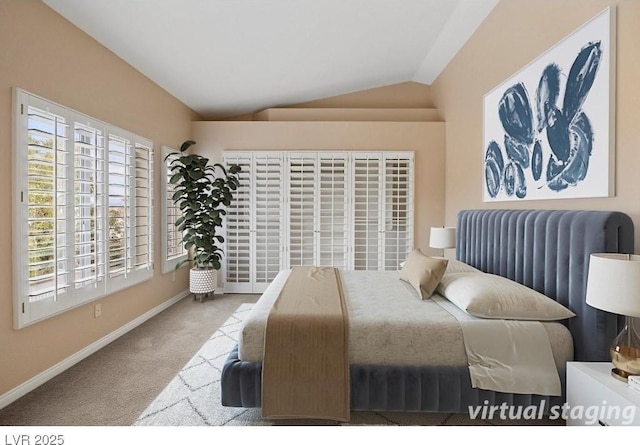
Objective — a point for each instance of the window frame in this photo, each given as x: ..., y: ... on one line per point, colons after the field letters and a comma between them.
x: 168, y: 262
x: 76, y: 290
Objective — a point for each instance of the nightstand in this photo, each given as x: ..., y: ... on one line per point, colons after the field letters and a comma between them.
x: 595, y: 397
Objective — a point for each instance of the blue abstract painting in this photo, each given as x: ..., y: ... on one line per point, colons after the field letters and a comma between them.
x: 548, y: 130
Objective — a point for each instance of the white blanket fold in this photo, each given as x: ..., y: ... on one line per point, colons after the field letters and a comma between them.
x: 507, y: 355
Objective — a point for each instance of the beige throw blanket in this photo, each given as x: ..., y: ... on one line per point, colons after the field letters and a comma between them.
x: 305, y: 371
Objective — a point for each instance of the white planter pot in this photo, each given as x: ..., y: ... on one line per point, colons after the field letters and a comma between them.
x: 202, y: 281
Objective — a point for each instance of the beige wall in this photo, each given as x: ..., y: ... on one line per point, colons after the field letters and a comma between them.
x: 515, y: 33
x: 405, y: 95
x: 425, y: 138
x: 44, y: 54
x: 401, y: 95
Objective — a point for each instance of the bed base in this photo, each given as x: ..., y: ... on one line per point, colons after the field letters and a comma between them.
x: 390, y: 388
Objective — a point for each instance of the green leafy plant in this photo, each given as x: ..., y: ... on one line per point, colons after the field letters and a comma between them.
x: 201, y: 191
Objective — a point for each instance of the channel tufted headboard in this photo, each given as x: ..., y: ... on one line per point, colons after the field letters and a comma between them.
x: 549, y: 250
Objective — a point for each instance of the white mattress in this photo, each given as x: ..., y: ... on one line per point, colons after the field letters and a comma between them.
x: 389, y: 325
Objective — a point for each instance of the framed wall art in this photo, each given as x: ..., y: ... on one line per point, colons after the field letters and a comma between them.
x: 548, y: 130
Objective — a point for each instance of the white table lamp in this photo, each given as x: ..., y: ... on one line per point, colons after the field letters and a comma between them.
x: 442, y: 238
x: 613, y: 285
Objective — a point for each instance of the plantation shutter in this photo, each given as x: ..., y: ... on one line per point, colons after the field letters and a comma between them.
x: 130, y: 175
x: 143, y: 208
x: 119, y: 224
x: 172, y: 247
x: 398, y: 209
x: 351, y: 210
x: 238, y: 239
x: 83, y: 219
x: 367, y: 191
x: 89, y: 208
x: 333, y: 210
x: 46, y: 281
x: 301, y: 213
x: 268, y: 218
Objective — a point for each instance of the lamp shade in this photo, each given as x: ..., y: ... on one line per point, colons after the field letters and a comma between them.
x: 613, y: 283
x: 442, y: 237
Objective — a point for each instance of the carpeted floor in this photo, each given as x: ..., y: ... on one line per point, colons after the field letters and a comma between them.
x: 114, y: 385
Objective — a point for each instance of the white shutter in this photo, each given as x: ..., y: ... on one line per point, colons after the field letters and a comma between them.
x: 143, y: 208
x: 130, y: 200
x: 268, y: 218
x: 119, y: 216
x: 398, y: 208
x: 367, y: 187
x: 47, y: 277
x: 89, y: 208
x: 301, y: 188
x: 173, y: 250
x: 333, y: 210
x: 238, y: 239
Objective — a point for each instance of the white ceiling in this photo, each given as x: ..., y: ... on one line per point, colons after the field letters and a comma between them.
x: 230, y: 57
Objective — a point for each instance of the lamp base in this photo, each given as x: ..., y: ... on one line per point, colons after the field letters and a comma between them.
x: 621, y: 375
x: 625, y: 351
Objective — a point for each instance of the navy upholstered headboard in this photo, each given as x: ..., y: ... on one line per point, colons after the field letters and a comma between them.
x: 548, y: 250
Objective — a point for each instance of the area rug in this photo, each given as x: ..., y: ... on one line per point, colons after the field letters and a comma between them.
x: 192, y: 398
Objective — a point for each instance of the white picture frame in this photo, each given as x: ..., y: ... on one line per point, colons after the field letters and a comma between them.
x: 548, y: 130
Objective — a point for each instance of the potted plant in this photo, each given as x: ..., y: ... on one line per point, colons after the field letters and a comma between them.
x: 201, y: 191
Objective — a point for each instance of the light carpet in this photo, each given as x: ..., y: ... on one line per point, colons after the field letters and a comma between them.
x: 192, y: 398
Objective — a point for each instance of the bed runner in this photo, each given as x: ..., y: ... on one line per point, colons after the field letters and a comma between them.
x: 305, y: 371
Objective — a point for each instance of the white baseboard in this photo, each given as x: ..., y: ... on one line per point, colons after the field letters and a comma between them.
x: 31, y: 384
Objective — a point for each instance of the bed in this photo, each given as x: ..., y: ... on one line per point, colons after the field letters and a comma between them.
x: 547, y: 251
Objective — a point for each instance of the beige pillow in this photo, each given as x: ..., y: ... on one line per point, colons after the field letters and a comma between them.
x: 492, y: 296
x: 423, y: 272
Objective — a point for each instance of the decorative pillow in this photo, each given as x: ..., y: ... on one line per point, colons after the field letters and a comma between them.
x: 492, y: 296
x: 423, y: 272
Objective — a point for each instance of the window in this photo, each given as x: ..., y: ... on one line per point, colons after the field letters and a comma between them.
x: 173, y: 251
x: 83, y: 223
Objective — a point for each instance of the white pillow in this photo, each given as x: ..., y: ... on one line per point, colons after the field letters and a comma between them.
x: 456, y: 266
x: 486, y: 295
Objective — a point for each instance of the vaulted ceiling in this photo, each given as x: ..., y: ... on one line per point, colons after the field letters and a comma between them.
x: 230, y: 57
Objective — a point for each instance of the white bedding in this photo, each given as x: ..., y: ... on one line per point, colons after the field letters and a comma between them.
x: 390, y: 325
x: 497, y: 364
